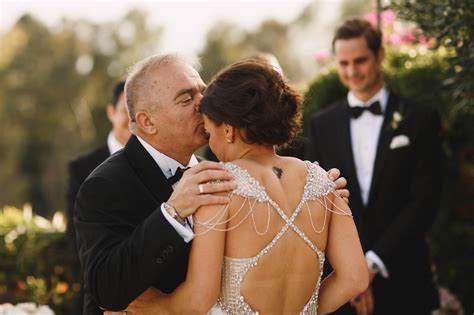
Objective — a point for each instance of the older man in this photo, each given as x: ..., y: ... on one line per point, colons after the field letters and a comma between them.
x: 132, y: 219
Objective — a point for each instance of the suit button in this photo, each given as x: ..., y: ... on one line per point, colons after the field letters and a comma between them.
x: 169, y: 249
x: 159, y: 261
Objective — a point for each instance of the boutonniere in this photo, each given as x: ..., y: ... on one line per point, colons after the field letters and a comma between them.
x: 397, y: 118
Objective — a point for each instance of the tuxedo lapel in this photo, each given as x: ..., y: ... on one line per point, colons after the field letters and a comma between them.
x: 383, y: 146
x: 147, y: 170
x: 347, y: 155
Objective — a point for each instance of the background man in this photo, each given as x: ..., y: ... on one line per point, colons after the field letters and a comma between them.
x: 390, y: 151
x: 81, y: 167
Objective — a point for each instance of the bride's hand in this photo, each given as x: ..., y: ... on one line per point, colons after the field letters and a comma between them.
x: 146, y: 304
x: 341, y: 183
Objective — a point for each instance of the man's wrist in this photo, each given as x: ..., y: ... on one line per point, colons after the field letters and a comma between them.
x: 173, y: 213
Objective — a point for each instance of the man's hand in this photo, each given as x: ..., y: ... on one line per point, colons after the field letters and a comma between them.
x: 194, y: 191
x: 341, y: 183
x: 146, y: 304
x: 364, y: 302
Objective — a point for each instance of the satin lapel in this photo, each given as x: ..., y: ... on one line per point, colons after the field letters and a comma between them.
x: 347, y: 155
x: 386, y: 134
x: 147, y: 170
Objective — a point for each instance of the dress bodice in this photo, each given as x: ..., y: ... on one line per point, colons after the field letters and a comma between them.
x: 235, y: 269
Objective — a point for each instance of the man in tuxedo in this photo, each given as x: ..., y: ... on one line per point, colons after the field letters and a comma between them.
x: 390, y: 151
x: 82, y: 166
x: 131, y: 219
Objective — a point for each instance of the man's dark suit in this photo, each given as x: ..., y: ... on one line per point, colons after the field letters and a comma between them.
x: 404, y: 195
x: 79, y: 169
x: 125, y: 244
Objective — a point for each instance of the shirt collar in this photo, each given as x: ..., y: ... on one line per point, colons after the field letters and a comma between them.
x: 167, y: 165
x: 112, y: 143
x: 381, y: 96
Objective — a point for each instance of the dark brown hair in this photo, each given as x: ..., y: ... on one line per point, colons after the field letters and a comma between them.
x: 356, y: 28
x: 253, y: 97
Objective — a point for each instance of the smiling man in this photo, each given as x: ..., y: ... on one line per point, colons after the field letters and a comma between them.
x: 390, y: 150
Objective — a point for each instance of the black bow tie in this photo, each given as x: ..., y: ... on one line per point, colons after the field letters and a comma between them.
x: 374, y: 108
x: 177, y: 175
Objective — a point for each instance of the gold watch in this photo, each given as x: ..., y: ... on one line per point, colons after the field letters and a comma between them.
x: 173, y: 213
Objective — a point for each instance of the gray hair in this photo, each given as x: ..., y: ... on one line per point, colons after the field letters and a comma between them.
x: 139, y: 85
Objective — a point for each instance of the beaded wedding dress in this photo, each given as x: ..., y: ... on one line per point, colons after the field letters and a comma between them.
x: 317, y: 186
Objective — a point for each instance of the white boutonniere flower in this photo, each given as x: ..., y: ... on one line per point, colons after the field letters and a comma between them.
x: 396, y: 120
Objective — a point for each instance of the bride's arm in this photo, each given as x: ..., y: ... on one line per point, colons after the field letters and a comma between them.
x: 202, y: 286
x: 350, y: 276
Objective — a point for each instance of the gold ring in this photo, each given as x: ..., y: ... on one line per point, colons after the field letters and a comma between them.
x: 201, y: 189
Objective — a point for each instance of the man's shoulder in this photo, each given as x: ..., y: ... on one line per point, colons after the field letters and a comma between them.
x: 95, y: 156
x: 330, y: 112
x: 417, y: 110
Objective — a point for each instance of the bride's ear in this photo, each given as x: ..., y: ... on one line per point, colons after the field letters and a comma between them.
x: 229, y: 133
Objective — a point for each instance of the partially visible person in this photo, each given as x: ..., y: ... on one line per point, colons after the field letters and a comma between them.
x: 390, y: 150
x: 298, y: 147
x: 82, y: 166
x: 263, y: 251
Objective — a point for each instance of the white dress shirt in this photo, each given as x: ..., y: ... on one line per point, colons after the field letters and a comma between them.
x: 168, y: 166
x: 112, y: 143
x: 365, y: 132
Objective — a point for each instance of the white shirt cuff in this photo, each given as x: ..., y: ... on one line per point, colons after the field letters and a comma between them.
x: 371, y: 257
x: 184, y: 231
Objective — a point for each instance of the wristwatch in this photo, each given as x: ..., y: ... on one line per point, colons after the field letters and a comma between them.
x: 173, y: 213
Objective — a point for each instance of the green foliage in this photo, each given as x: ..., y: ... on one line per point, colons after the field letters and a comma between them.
x: 321, y: 93
x: 420, y: 77
x: 35, y: 261
x: 54, y: 87
x: 451, y: 22
x: 226, y: 43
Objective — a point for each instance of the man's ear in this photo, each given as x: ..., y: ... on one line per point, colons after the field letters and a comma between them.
x: 381, y: 54
x: 110, y: 110
x: 145, y: 122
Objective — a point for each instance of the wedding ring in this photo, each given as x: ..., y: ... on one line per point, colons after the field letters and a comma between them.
x: 201, y: 189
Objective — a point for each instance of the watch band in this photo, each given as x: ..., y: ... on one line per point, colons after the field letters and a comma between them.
x: 173, y: 213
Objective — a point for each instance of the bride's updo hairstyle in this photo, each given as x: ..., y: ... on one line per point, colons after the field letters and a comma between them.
x: 253, y: 96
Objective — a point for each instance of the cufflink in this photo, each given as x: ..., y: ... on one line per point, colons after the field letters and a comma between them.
x: 373, y: 267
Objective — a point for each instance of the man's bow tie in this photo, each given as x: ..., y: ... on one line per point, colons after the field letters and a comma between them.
x: 177, y: 175
x: 374, y: 108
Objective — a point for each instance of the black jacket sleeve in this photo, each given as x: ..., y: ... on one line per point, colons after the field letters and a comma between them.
x: 121, y: 258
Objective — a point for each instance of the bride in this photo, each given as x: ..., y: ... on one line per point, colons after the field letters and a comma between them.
x: 263, y: 253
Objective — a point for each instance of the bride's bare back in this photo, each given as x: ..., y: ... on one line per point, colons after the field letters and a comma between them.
x: 284, y: 277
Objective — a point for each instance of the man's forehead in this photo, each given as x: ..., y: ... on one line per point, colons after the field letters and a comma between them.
x: 180, y: 72
x: 351, y: 47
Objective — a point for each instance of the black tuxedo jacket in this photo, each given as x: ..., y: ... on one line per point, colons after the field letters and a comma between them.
x: 124, y: 242
x: 79, y: 169
x: 403, y: 198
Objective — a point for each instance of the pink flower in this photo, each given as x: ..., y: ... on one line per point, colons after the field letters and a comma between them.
x: 426, y: 42
x: 371, y: 18
x: 395, y: 39
x: 389, y: 16
x: 322, y: 56
x: 407, y: 37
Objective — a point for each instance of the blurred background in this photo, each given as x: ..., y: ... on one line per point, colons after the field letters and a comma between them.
x: 60, y: 60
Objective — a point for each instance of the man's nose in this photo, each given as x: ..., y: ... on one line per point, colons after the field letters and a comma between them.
x: 198, y: 101
x: 351, y: 70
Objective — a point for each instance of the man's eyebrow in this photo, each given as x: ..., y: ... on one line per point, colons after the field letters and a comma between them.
x: 183, y: 91
x: 362, y: 58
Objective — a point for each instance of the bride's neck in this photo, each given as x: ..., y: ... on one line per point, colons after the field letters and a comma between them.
x: 259, y: 154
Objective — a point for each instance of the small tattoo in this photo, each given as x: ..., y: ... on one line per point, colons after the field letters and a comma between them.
x: 278, y: 171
